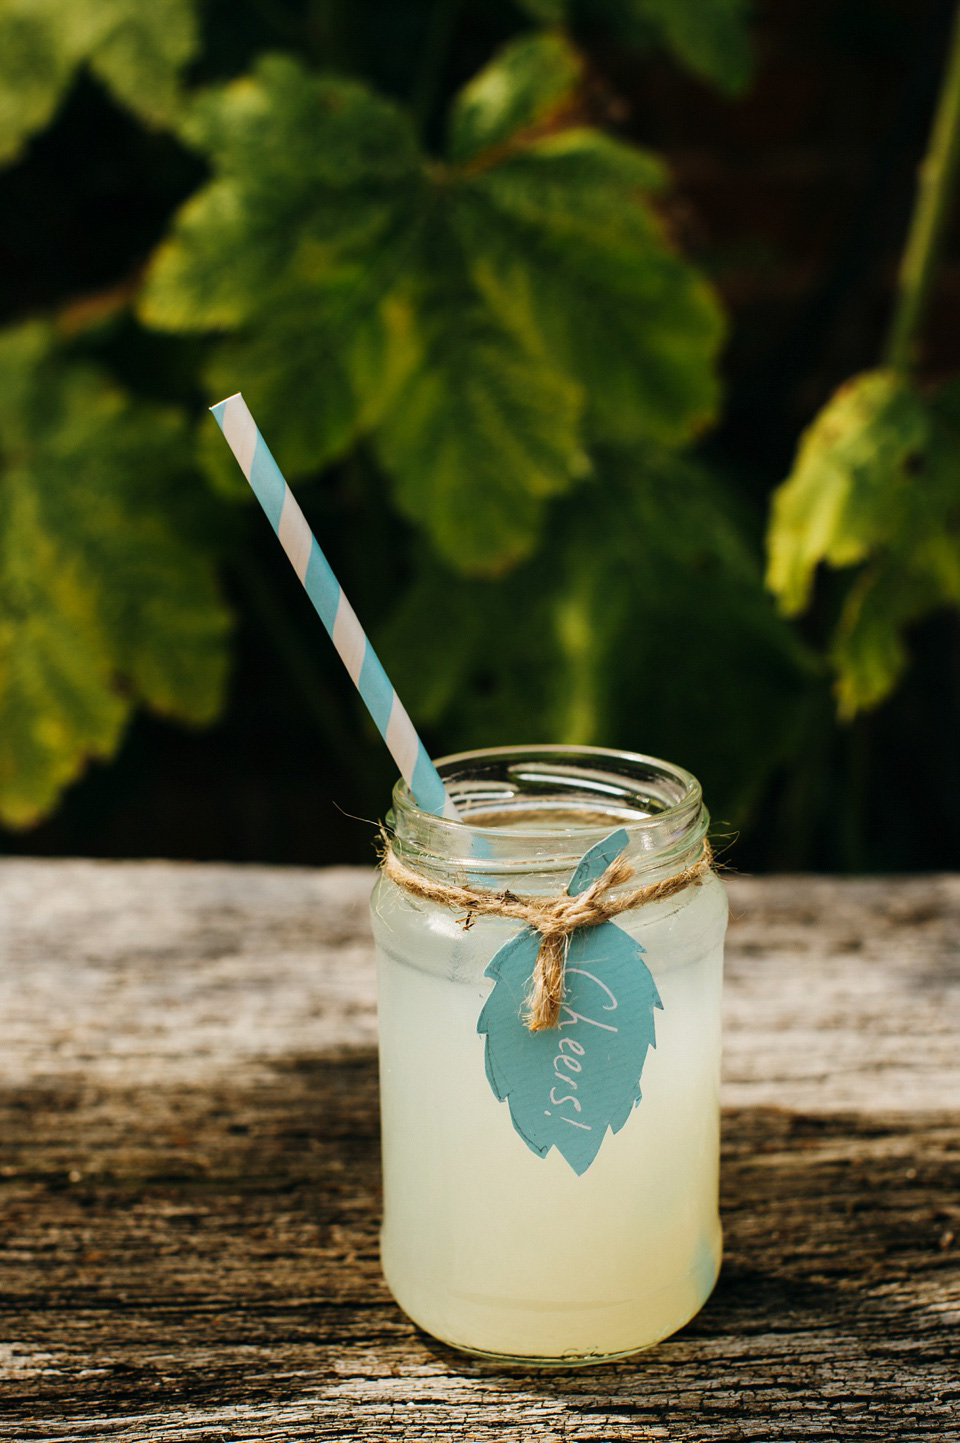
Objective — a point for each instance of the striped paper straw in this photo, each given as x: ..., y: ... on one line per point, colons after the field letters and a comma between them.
x: 338, y: 616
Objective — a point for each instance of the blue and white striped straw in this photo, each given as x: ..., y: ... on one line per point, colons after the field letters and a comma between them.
x: 333, y: 608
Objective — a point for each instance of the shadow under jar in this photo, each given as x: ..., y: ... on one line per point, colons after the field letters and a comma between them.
x: 486, y: 1244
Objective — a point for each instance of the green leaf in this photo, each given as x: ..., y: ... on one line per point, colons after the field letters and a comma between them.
x: 563, y: 243
x: 643, y: 624
x: 480, y: 436
x: 532, y: 83
x: 141, y: 52
x: 317, y: 387
x: 365, y: 322
x: 472, y: 320
x: 868, y: 652
x: 106, y: 593
x: 561, y: 238
x: 36, y: 63
x: 138, y: 51
x: 852, y: 485
x: 876, y: 483
x: 314, y: 177
x: 293, y: 249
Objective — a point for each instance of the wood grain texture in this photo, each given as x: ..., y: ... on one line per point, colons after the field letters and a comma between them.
x: 189, y: 1177
x: 840, y: 995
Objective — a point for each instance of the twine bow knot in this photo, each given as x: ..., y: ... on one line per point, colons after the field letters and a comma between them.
x: 555, y: 918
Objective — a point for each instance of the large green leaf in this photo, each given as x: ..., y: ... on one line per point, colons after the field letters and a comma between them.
x: 643, y: 624
x: 315, y: 176
x: 852, y: 482
x: 294, y: 249
x: 481, y: 434
x: 137, y: 49
x: 107, y: 597
x: 475, y: 319
x: 317, y: 386
x: 561, y: 239
x: 876, y: 483
x: 868, y: 651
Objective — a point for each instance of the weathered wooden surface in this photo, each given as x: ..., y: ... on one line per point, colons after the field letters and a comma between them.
x: 189, y: 1176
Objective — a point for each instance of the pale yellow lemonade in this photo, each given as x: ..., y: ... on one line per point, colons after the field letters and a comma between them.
x: 485, y: 1244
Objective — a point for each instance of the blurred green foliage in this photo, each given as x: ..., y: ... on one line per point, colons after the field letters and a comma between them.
x: 710, y: 37
x: 468, y: 296
x: 103, y: 575
x: 138, y: 52
x: 876, y: 486
x: 480, y: 318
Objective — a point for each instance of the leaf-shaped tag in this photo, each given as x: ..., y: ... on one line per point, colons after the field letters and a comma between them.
x: 567, y: 1085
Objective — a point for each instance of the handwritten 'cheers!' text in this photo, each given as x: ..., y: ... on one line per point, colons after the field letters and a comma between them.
x: 572, y: 1055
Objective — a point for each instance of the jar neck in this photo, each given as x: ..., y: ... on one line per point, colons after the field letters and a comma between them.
x: 528, y: 814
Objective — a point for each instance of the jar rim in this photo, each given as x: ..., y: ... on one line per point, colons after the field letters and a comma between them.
x: 659, y: 804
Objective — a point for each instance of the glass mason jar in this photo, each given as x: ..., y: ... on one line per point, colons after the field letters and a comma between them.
x: 485, y: 1244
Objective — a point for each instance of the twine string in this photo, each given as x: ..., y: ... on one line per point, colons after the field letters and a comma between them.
x: 554, y: 917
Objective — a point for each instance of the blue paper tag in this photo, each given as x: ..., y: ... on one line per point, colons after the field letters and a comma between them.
x: 567, y: 1085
